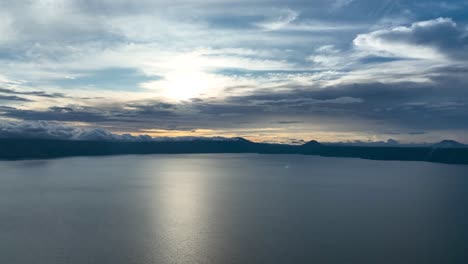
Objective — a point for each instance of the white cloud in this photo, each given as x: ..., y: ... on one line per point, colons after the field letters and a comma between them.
x: 327, y: 56
x: 372, y: 44
x: 436, y: 39
x: 278, y: 21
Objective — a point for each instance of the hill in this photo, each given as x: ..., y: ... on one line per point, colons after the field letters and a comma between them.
x: 17, y: 149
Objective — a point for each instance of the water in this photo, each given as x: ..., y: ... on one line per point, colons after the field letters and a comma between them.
x: 232, y: 209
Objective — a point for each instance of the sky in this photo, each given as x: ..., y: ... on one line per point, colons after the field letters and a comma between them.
x: 268, y: 70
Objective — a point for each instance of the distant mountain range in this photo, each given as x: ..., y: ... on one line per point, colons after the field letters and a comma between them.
x: 449, y: 144
x: 446, y: 151
x: 394, y: 143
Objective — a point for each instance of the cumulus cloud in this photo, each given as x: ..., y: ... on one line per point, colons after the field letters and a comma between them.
x: 431, y: 39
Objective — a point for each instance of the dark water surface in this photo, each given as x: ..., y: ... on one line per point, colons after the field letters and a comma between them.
x: 232, y: 209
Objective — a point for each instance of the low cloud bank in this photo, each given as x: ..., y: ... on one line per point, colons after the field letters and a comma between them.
x: 55, y: 130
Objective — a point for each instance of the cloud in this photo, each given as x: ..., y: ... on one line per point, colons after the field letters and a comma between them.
x: 302, y: 102
x: 278, y: 21
x: 316, y: 26
x: 54, y: 130
x: 399, y: 106
x: 33, y: 93
x: 288, y: 122
x: 51, y: 130
x: 432, y: 39
x: 129, y: 66
x: 350, y: 110
x: 402, y: 105
x: 13, y: 98
x: 417, y: 132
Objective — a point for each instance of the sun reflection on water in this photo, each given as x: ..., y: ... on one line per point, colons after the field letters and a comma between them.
x: 180, y: 210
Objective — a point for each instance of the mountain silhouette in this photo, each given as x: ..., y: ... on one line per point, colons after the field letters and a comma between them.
x: 311, y: 144
x: 17, y: 149
x: 449, y: 144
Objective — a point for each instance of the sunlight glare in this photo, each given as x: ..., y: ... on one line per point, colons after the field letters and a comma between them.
x: 188, y: 77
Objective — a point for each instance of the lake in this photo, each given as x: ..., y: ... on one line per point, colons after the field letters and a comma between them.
x: 232, y: 208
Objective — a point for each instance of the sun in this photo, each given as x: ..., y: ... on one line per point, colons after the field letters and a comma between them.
x: 183, y: 85
x: 187, y: 76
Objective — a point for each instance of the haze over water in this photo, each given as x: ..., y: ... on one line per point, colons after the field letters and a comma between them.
x: 232, y: 208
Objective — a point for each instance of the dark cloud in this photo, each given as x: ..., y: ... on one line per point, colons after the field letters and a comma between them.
x: 13, y: 98
x: 55, y: 130
x: 439, y: 104
x: 131, y: 117
x: 33, y: 93
x: 288, y: 122
x: 151, y: 109
x: 417, y: 133
x: 412, y: 105
x: 58, y: 114
x: 442, y: 34
x: 403, y: 108
x: 52, y: 130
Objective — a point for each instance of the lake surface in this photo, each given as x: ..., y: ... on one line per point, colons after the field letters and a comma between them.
x: 229, y: 208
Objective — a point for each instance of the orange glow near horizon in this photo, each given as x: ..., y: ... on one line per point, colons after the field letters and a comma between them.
x: 273, y: 135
